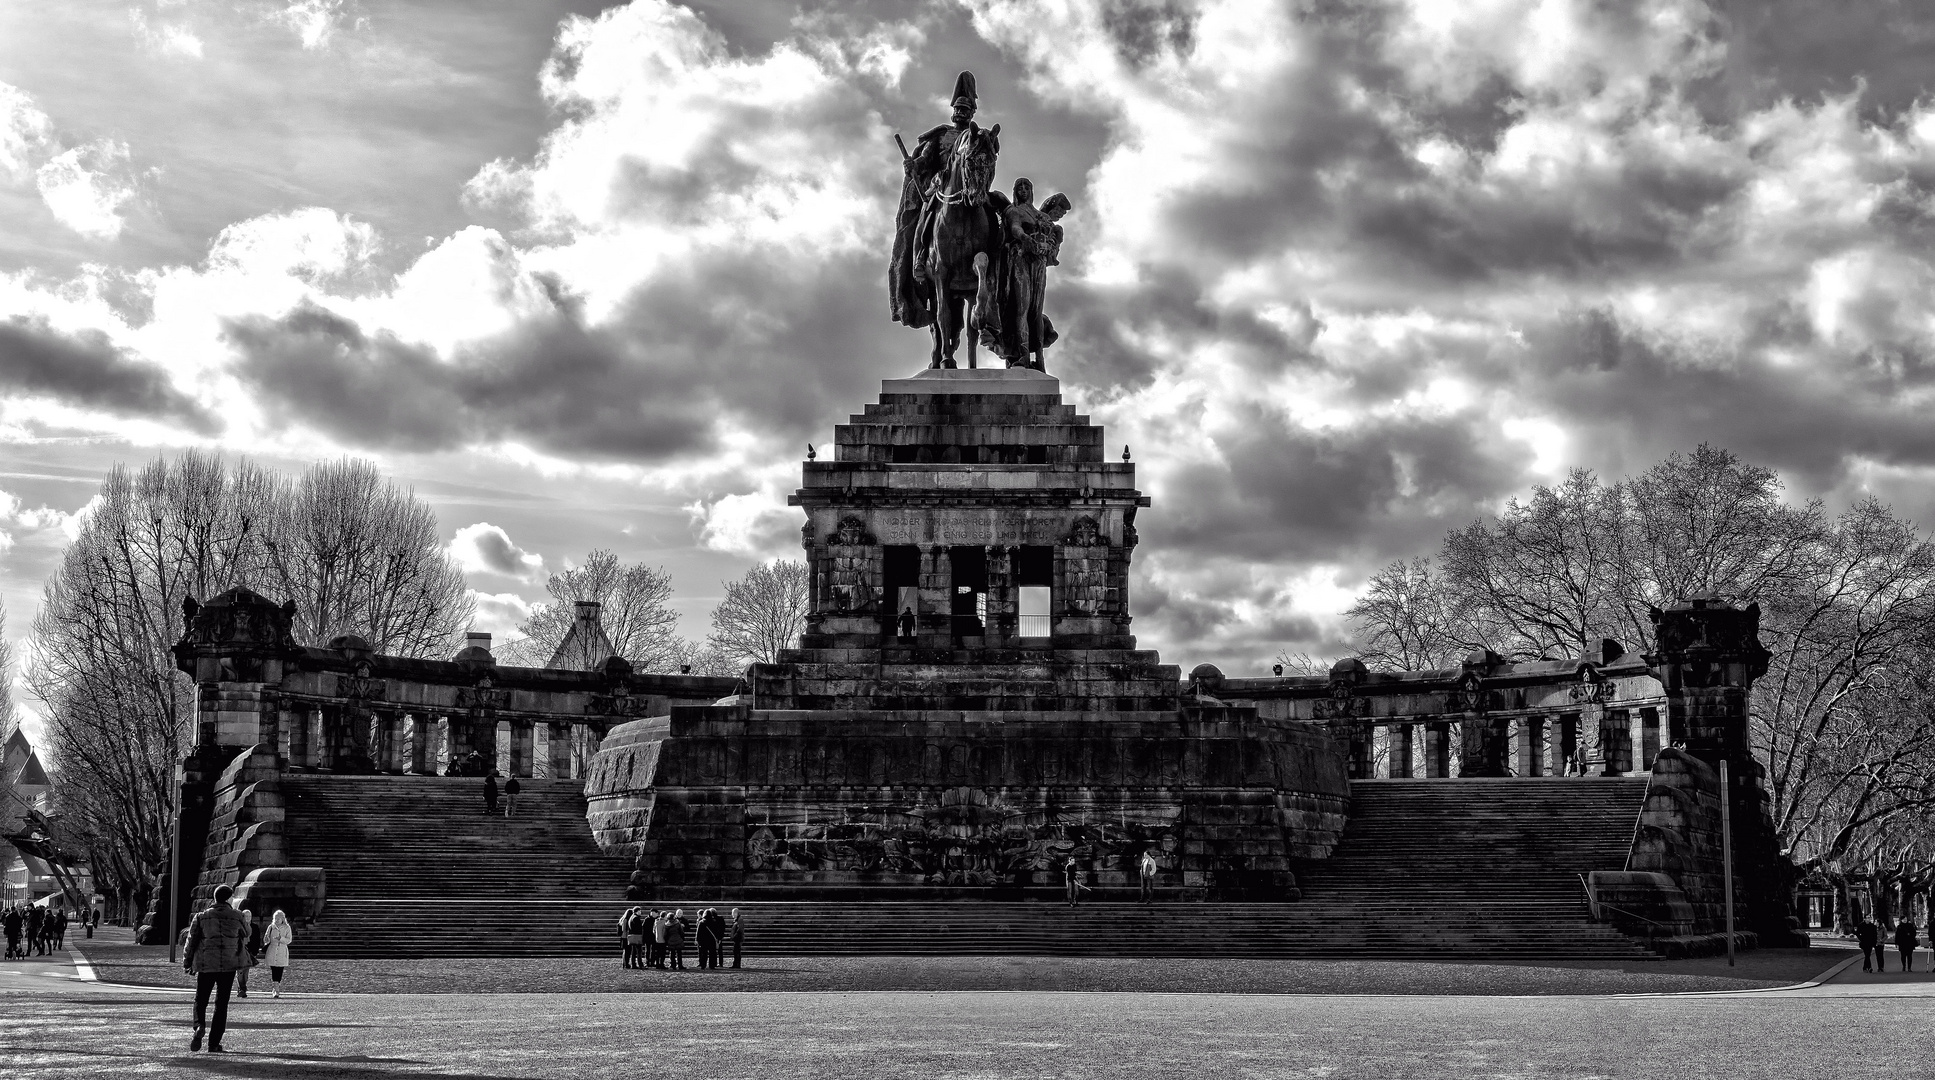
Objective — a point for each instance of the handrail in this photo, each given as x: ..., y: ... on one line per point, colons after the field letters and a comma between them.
x: 1651, y: 775
x: 1593, y: 904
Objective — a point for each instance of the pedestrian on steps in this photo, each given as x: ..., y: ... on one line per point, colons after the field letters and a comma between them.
x: 1868, y: 936
x: 490, y: 792
x: 738, y: 936
x: 275, y: 949
x: 218, y: 947
x: 1905, y: 943
x: 510, y: 795
x: 1072, y: 877
x: 1147, y: 874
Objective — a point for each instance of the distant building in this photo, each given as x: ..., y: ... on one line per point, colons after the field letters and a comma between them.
x: 23, y: 787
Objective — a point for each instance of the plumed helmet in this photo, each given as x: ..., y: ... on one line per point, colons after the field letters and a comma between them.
x: 964, y: 89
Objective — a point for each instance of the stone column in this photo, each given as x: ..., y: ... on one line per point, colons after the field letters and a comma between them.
x: 541, y: 750
x: 1437, y: 750
x: 1486, y: 744
x: 1531, y: 745
x: 1616, y: 742
x: 1361, y: 764
x: 1400, y: 751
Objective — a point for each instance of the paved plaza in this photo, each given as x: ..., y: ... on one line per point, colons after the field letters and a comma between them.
x: 58, y: 1024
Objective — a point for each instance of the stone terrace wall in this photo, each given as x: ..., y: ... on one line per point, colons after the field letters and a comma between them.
x: 731, y: 798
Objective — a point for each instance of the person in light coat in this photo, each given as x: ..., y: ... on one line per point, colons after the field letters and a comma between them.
x: 275, y: 949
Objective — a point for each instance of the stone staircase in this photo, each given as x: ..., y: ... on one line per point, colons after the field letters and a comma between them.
x: 1428, y: 869
x: 428, y: 838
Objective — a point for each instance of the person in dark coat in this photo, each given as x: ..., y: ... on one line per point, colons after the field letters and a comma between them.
x: 708, y: 935
x: 1905, y: 943
x: 490, y: 793
x: 218, y: 947
x: 1868, y: 936
x: 511, y: 787
x: 14, y: 925
x: 675, y: 939
x: 738, y: 936
x: 35, y: 943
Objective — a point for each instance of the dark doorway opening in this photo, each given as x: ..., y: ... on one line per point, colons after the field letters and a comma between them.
x: 970, y: 599
x: 900, y: 570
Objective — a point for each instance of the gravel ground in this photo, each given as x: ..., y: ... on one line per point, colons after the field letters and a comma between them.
x: 149, y: 966
x: 104, y: 1033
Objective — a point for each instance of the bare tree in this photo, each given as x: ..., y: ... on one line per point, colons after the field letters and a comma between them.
x: 117, y: 709
x: 762, y: 613
x: 1407, y: 620
x: 360, y: 555
x: 352, y: 550
x: 637, y: 614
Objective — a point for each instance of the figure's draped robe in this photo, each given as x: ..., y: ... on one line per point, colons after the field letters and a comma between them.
x: 1004, y: 329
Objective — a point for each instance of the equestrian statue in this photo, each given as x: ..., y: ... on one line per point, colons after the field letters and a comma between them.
x: 967, y: 257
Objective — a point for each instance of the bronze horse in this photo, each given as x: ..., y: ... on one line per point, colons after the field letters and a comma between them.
x: 962, y: 240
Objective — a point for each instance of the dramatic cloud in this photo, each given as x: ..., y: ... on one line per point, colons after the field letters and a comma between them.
x: 86, y: 369
x: 483, y: 548
x: 1342, y: 275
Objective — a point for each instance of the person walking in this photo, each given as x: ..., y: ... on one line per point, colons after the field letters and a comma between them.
x: 14, y: 925
x: 490, y: 792
x: 255, y: 954
x: 60, y: 930
x: 675, y: 939
x: 1146, y: 875
x: 1868, y: 936
x: 511, y: 788
x: 1072, y: 877
x: 738, y: 936
x: 275, y: 949
x: 1905, y: 943
x: 34, y: 916
x: 218, y: 947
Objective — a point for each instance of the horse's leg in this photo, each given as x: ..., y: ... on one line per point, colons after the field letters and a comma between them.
x: 974, y: 305
x: 943, y: 313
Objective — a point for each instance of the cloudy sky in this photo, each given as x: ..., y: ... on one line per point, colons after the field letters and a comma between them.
x: 1344, y: 274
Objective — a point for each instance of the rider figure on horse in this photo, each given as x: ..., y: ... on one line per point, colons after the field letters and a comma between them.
x: 918, y: 198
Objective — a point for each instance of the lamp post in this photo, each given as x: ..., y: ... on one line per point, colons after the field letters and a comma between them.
x: 1726, y: 850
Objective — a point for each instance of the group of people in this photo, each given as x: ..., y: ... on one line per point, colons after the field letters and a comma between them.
x: 657, y: 938
x: 223, y: 944
x: 1874, y: 949
x: 33, y: 930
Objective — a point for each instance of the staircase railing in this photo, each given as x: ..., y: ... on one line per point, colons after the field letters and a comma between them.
x: 1640, y: 817
x: 1594, y: 905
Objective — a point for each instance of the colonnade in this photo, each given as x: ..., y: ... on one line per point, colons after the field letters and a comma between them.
x: 389, y: 740
x: 1599, y: 741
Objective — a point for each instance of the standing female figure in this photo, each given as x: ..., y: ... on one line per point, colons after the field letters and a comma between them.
x: 275, y: 949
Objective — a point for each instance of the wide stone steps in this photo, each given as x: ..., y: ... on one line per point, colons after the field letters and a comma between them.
x: 398, y: 837
x: 969, y: 928
x: 1451, y: 869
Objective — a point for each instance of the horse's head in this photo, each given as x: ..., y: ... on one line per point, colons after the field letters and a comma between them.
x: 973, y: 161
